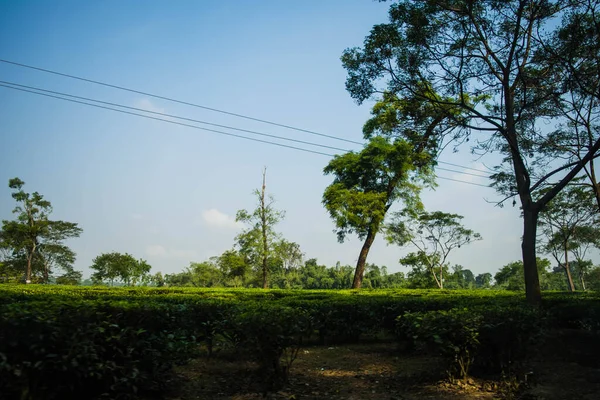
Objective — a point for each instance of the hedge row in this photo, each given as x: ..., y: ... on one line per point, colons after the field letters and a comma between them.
x: 100, y: 342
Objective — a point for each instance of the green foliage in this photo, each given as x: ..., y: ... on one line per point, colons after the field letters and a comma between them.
x: 272, y: 335
x: 119, y: 341
x: 510, y: 276
x: 117, y: 267
x: 453, y: 333
x: 434, y: 234
x: 32, y: 245
x: 489, y: 339
x: 257, y: 242
x: 367, y: 183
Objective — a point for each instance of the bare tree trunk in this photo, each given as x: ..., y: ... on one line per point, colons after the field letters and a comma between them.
x: 532, y: 280
x: 263, y: 217
x: 46, y: 272
x: 568, y: 271
x: 442, y: 276
x: 582, y: 282
x: 29, y: 263
x: 362, y: 259
x: 437, y: 281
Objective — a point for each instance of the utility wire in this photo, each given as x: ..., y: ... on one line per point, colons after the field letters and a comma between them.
x: 173, y: 116
x: 461, y: 172
x: 166, y: 120
x: 204, y: 107
x: 178, y: 101
x: 458, y: 180
x: 200, y: 128
x: 462, y: 166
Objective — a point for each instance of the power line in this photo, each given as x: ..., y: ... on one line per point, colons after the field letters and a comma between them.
x: 178, y: 101
x: 168, y: 121
x: 204, y: 129
x: 210, y: 109
x: 462, y: 166
x: 461, y: 172
x: 458, y: 180
x: 174, y: 116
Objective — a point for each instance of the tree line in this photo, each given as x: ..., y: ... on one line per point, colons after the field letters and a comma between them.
x: 33, y: 249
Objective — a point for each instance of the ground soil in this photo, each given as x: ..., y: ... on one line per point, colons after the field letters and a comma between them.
x: 378, y: 371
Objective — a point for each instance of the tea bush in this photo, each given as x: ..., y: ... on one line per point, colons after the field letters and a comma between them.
x: 115, y: 342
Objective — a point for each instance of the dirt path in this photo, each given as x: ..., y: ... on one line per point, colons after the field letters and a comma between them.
x: 353, y: 372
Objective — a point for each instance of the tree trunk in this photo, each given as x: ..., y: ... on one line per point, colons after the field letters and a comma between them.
x: 442, y: 276
x: 532, y: 280
x: 582, y: 282
x: 530, y: 212
x: 568, y: 271
x: 362, y: 259
x: 46, y: 272
x: 263, y: 216
x: 595, y: 185
x: 29, y: 262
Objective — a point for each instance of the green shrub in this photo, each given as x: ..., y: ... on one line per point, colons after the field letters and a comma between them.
x: 509, y: 335
x: 272, y: 336
x: 91, y: 348
x: 454, y: 334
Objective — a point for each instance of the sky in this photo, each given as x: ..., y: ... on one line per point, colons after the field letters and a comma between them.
x: 168, y: 193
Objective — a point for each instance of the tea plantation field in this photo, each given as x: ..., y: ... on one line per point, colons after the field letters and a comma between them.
x: 66, y: 342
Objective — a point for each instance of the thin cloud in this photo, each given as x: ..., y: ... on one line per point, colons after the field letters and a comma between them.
x: 158, y: 250
x: 218, y: 219
x: 146, y: 104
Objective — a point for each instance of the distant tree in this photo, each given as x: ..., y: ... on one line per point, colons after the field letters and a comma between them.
x: 434, y: 234
x: 315, y: 276
x: 36, y: 243
x: 122, y: 268
x: 234, y: 267
x: 510, y: 276
x: 566, y: 222
x: 71, y: 277
x: 158, y: 280
x: 483, y: 281
x: 257, y: 242
x: 593, y: 278
x: 460, y: 278
x: 421, y: 276
x: 581, y: 269
x: 367, y: 184
x: 183, y: 278
x: 205, y: 274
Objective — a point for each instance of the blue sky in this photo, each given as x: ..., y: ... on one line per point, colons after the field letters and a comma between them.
x: 168, y: 193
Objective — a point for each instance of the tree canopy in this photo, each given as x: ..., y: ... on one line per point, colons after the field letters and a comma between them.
x: 488, y: 60
x: 33, y: 244
x: 366, y: 184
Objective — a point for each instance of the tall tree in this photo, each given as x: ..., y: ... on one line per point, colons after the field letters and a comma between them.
x: 434, y: 234
x: 367, y: 184
x: 257, y: 242
x: 36, y: 242
x: 564, y: 220
x: 485, y: 55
